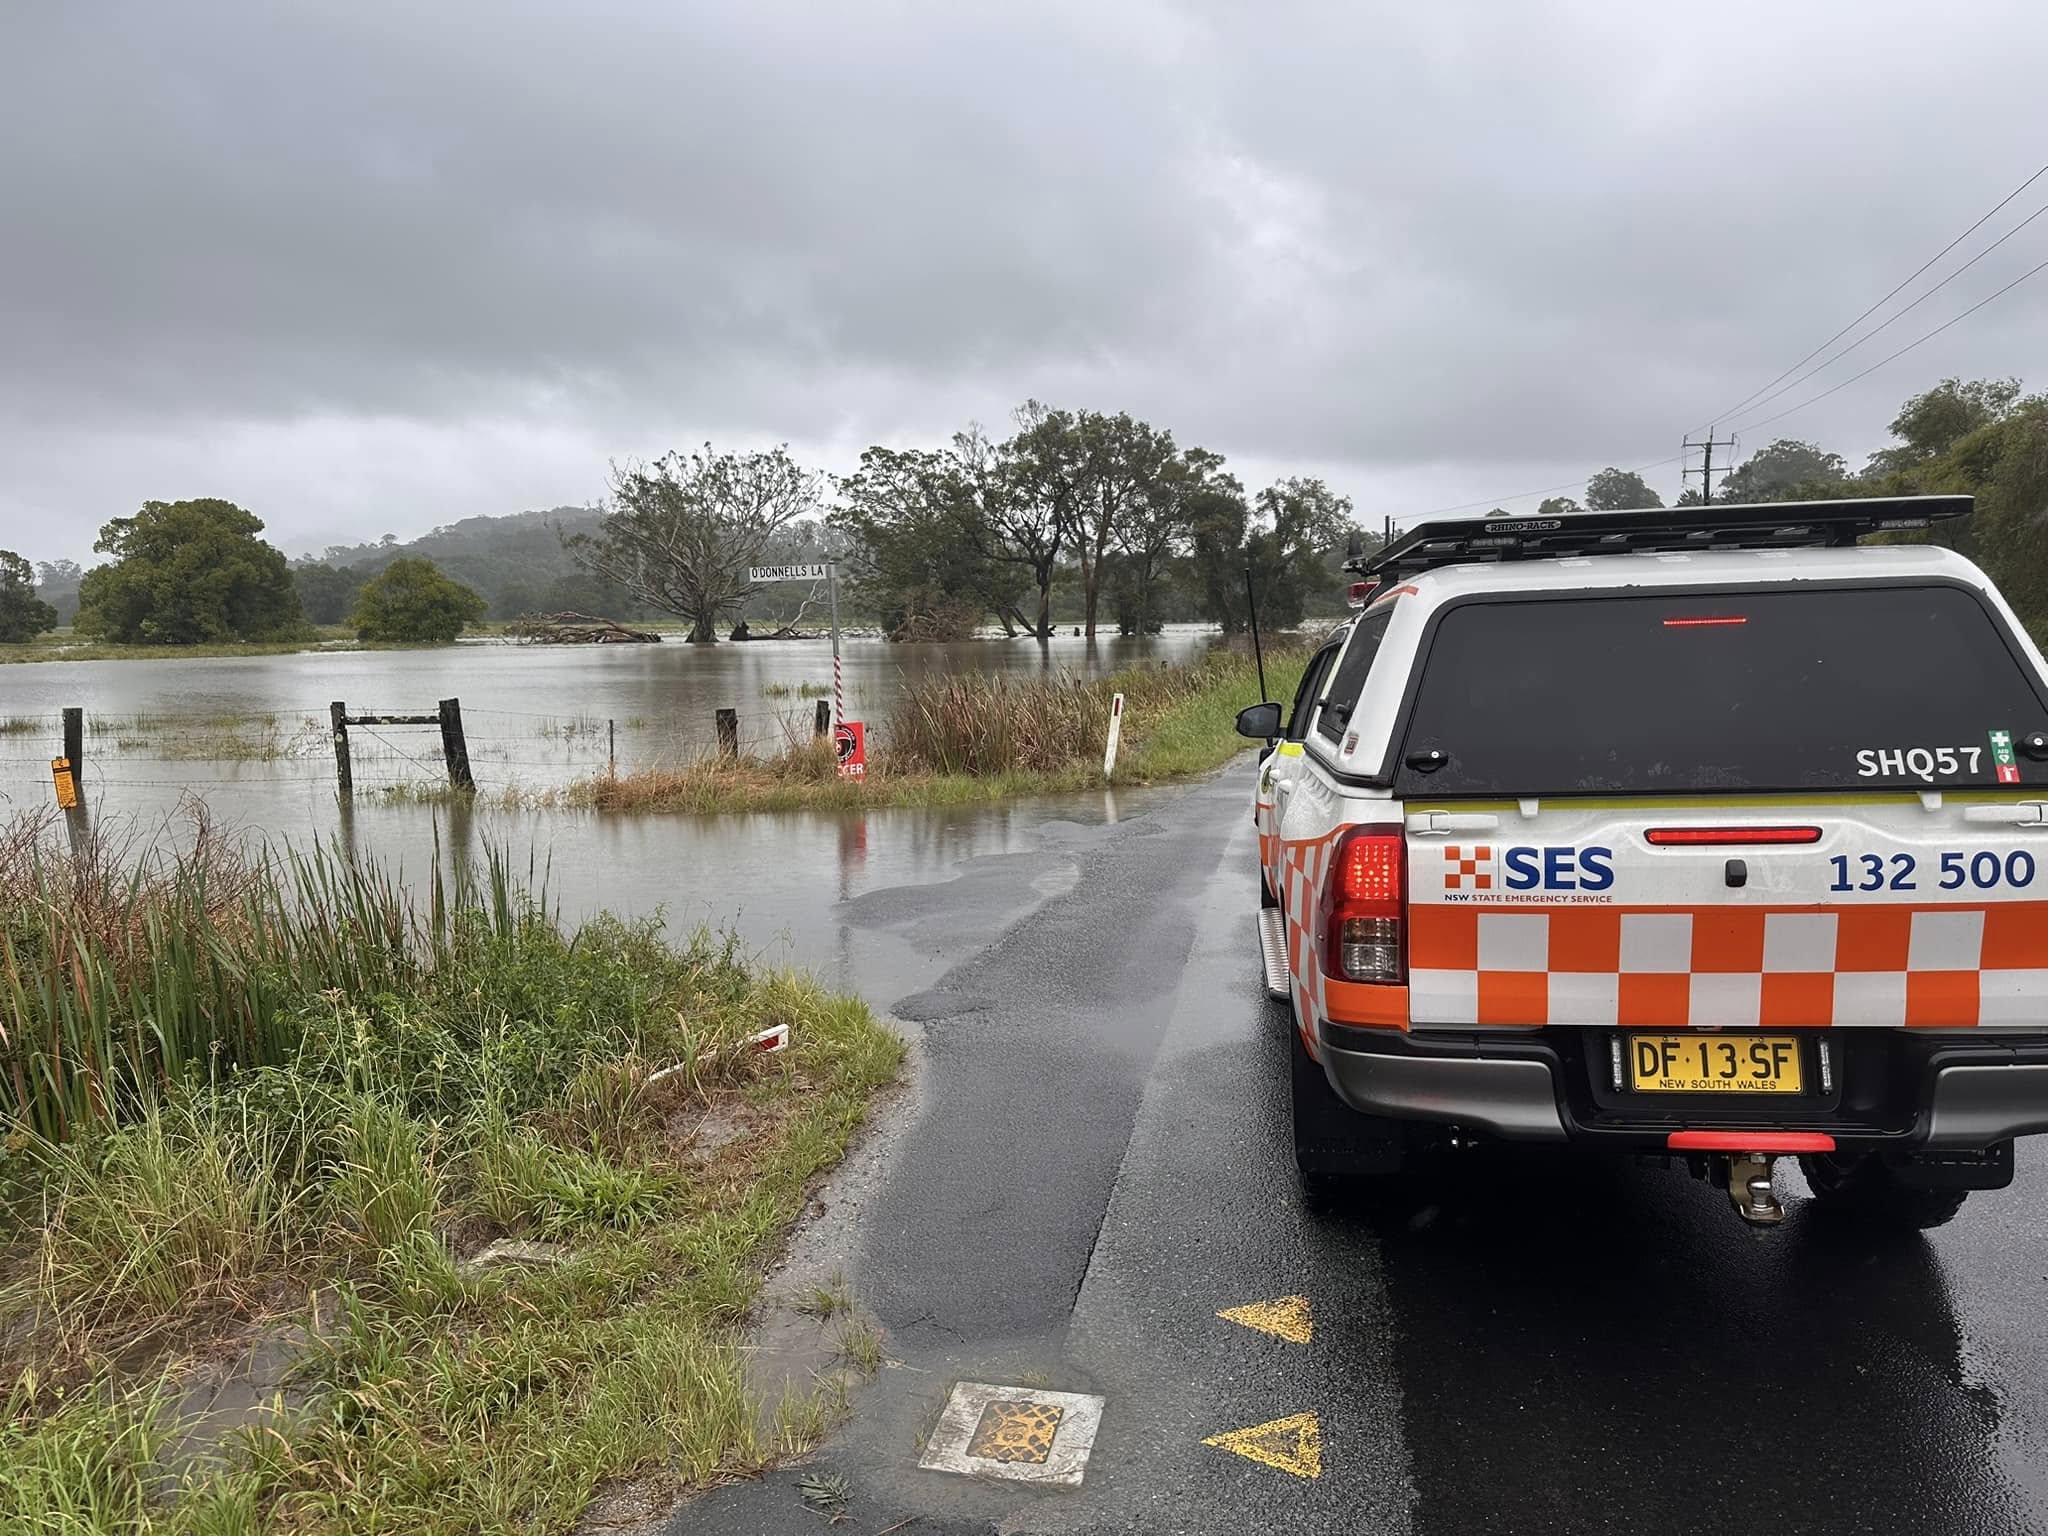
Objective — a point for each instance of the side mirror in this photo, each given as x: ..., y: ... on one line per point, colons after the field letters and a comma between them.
x: 1261, y: 722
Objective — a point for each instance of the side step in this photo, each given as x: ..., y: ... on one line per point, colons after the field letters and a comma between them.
x: 1273, y: 950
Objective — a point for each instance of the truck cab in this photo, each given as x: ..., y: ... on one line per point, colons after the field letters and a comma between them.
x: 1710, y: 832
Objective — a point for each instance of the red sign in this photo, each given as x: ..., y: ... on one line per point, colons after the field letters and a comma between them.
x: 850, y: 740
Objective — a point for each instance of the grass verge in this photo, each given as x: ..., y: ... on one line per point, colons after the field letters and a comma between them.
x: 242, y: 1099
x: 67, y: 645
x: 981, y: 736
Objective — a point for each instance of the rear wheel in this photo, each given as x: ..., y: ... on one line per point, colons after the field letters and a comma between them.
x: 1863, y: 1188
x: 1336, y: 1149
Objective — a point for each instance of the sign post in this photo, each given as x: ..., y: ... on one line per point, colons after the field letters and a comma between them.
x: 849, y: 736
x: 838, y: 676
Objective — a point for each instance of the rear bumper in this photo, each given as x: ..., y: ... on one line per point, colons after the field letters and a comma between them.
x: 1540, y: 1086
x: 1972, y: 1106
x: 1515, y: 1099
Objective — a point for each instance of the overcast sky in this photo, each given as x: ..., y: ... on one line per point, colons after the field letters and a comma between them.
x: 367, y: 267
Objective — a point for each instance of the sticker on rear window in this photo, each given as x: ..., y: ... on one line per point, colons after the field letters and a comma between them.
x: 2001, y: 754
x: 1928, y: 763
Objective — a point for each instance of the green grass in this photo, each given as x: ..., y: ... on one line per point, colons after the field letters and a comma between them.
x: 68, y: 645
x: 230, y: 1088
x: 211, y: 738
x: 973, y: 737
x: 860, y: 1345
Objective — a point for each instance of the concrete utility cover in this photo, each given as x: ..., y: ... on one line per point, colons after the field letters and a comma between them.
x: 1022, y: 1433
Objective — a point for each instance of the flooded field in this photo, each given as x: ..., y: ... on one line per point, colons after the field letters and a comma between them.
x: 248, y: 736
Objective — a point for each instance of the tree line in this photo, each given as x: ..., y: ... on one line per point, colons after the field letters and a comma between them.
x: 1104, y: 518
x: 1985, y: 438
x: 1075, y: 516
x: 199, y: 572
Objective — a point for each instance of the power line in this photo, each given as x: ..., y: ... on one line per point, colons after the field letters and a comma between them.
x: 1745, y: 402
x: 1492, y: 501
x: 1893, y: 319
x: 1909, y: 346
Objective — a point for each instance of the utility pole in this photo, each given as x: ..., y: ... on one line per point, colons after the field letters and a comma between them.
x: 1706, y: 469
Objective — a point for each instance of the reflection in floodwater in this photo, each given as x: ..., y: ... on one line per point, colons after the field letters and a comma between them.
x: 777, y: 881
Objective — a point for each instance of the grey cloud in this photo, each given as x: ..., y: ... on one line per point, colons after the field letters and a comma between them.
x: 448, y: 259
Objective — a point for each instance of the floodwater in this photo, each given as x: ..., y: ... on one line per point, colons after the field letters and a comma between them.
x: 534, y: 715
x: 248, y: 736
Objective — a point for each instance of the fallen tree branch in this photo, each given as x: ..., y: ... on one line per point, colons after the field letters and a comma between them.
x: 570, y: 628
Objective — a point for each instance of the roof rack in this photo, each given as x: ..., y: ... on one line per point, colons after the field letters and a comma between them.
x: 1770, y: 525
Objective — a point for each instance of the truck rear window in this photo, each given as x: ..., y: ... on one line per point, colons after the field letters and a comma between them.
x: 1782, y: 689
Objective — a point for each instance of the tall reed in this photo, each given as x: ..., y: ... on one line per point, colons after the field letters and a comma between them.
x: 122, y: 975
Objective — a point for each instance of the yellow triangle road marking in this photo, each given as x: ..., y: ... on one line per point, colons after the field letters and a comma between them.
x: 1285, y: 1317
x: 1293, y: 1444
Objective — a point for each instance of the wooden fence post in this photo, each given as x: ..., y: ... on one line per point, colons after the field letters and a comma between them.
x: 453, y: 746
x: 824, y: 723
x: 74, y: 747
x: 729, y: 732
x: 344, y: 773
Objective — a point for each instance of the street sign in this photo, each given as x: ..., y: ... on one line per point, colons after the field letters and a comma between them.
x: 761, y: 575
x: 850, y: 741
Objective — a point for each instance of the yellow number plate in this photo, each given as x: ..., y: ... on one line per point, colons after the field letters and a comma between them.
x: 1714, y: 1063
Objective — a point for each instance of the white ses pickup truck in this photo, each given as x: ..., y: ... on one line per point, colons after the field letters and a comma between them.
x: 1704, y: 832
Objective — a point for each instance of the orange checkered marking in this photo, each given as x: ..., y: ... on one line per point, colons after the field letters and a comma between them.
x: 1305, y: 867
x: 1933, y: 967
x: 1443, y: 938
x: 1468, y: 869
x: 1304, y: 863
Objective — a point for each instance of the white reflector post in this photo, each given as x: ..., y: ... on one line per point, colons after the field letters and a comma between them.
x: 1116, y: 729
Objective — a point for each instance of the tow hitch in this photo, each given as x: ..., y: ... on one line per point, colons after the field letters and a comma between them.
x: 1746, y: 1167
x: 1749, y: 1186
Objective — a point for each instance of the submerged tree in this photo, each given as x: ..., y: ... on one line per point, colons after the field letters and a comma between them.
x: 411, y: 602
x: 680, y: 533
x: 918, y: 535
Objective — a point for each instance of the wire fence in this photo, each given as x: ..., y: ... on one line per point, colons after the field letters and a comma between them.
x: 203, y: 749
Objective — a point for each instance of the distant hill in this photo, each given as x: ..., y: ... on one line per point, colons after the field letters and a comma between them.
x: 517, y: 562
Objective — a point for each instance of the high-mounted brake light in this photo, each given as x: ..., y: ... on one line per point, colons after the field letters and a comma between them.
x: 1725, y: 837
x: 1356, y: 594
x: 1706, y: 621
x: 1363, y: 938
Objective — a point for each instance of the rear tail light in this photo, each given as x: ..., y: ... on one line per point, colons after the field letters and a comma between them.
x: 1364, y: 938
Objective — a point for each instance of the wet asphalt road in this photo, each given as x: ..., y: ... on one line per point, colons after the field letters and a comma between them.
x: 1097, y: 1161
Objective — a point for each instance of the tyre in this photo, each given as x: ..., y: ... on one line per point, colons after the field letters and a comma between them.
x: 1336, y: 1149
x: 1862, y: 1188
